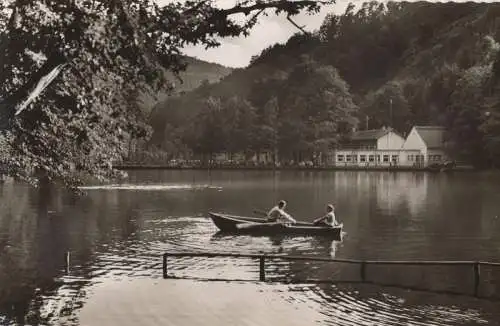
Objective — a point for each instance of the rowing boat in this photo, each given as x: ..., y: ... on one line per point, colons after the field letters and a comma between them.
x: 259, y: 226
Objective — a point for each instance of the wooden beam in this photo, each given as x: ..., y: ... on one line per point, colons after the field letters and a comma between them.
x: 333, y: 260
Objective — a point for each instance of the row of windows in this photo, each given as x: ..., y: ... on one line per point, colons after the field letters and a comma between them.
x: 435, y: 157
x: 385, y: 158
x: 421, y: 157
x: 363, y: 158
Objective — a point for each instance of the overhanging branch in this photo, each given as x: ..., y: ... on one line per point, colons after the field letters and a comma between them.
x: 280, y: 5
x: 289, y: 18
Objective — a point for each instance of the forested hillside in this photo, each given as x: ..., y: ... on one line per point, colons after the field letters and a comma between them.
x: 196, y: 73
x: 398, y: 64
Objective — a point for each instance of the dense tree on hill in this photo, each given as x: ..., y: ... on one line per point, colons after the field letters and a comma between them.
x: 267, y: 127
x: 377, y: 47
x: 223, y: 125
x: 437, y: 62
x: 241, y: 81
x: 283, y: 56
x: 310, y: 109
x: 206, y: 134
x: 389, y: 107
x: 243, y: 126
x: 471, y: 114
x: 316, y: 107
x: 95, y: 56
x: 266, y: 88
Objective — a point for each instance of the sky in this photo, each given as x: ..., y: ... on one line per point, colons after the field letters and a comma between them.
x: 236, y: 52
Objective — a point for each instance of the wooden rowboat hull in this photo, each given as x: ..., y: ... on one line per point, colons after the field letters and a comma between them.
x: 259, y: 226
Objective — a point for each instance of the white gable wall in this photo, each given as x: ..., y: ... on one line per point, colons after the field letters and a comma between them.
x: 390, y: 141
x: 413, y: 144
x: 414, y: 141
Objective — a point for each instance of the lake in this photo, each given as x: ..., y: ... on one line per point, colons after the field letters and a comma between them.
x: 57, y: 250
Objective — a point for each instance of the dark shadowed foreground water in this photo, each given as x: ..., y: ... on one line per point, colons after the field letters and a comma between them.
x: 58, y: 252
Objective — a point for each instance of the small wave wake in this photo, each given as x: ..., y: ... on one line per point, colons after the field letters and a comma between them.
x: 150, y: 187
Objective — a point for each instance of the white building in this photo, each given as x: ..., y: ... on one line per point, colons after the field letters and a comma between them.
x: 424, y: 145
x: 380, y: 147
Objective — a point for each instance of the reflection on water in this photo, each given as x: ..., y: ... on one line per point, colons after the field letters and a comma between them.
x: 392, y: 190
x: 120, y: 231
x: 145, y: 187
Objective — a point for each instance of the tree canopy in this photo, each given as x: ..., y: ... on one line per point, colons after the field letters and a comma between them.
x: 295, y: 114
x: 72, y: 70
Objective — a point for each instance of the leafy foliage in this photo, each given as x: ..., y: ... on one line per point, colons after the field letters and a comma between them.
x: 316, y: 108
x: 389, y: 106
x: 103, y: 54
x: 297, y: 114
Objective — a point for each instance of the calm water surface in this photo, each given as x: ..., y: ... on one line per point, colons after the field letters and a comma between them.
x: 54, y: 248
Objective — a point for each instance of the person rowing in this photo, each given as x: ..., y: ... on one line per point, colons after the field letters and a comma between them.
x: 278, y: 212
x: 328, y: 219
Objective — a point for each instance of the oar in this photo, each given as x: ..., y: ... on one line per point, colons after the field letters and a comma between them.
x: 264, y: 213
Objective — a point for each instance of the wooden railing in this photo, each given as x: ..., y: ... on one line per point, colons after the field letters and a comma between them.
x: 474, y: 265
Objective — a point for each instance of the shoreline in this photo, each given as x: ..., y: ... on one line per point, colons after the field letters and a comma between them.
x: 293, y: 168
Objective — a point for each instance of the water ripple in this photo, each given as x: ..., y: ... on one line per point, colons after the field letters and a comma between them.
x: 342, y: 306
x: 138, y: 256
x: 333, y: 305
x: 150, y: 187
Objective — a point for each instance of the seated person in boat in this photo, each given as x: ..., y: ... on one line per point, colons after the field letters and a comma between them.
x: 328, y: 219
x: 278, y: 212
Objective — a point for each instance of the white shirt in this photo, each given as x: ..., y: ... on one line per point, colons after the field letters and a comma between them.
x: 330, y: 218
x: 277, y: 213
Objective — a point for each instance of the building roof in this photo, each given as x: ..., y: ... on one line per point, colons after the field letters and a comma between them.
x: 373, y: 134
x: 433, y: 136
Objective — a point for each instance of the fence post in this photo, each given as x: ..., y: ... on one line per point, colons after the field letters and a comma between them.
x: 165, y: 265
x: 476, y: 278
x: 262, y: 269
x: 363, y: 271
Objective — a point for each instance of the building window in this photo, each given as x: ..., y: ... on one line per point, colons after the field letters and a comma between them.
x: 410, y: 157
x: 371, y: 158
x: 340, y: 158
x: 378, y: 158
x: 348, y: 158
x: 386, y: 158
x: 362, y: 158
x: 395, y: 159
x: 434, y: 157
x: 355, y: 158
